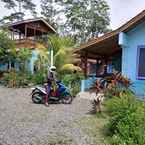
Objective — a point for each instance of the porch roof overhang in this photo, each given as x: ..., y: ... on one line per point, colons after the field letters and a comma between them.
x: 101, y: 49
x: 107, y: 45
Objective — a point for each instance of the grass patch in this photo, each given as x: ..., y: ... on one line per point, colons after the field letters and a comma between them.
x: 60, y: 140
x: 93, y: 126
x: 54, y: 140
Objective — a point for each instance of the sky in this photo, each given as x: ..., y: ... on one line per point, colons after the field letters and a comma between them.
x: 123, y: 10
x: 120, y: 10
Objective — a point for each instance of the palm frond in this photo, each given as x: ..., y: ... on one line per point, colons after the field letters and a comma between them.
x: 62, y: 48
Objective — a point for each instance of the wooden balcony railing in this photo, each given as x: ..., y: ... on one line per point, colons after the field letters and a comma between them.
x: 28, y: 43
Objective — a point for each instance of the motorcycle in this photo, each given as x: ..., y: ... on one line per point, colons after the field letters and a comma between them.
x: 60, y: 95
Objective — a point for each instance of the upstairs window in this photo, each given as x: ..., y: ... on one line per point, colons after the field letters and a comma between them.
x: 141, y: 62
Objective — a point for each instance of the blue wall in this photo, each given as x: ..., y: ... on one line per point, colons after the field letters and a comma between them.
x: 30, y: 64
x: 3, y: 67
x: 32, y: 60
x: 86, y: 84
x: 134, y: 37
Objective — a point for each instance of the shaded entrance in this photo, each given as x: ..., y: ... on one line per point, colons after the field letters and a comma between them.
x: 106, y: 53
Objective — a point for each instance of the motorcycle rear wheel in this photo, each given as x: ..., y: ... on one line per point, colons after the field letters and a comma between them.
x: 37, y: 98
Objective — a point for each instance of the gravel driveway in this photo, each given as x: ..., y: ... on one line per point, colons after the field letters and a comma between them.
x: 25, y: 123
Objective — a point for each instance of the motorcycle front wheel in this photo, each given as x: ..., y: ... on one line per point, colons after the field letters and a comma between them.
x: 67, y: 99
x: 37, y: 98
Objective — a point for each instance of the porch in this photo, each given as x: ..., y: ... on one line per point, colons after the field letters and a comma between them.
x: 99, y: 58
x: 30, y: 33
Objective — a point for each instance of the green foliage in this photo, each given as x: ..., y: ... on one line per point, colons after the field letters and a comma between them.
x: 127, y: 123
x: 23, y: 79
x: 62, y: 47
x: 87, y: 19
x: 7, y: 47
x: 73, y: 81
x: 116, y: 91
x: 16, y: 79
x: 9, y: 79
x: 43, y: 60
x: 39, y: 78
x: 23, y: 56
x: 84, y: 19
x: 49, y: 11
x: 18, y: 9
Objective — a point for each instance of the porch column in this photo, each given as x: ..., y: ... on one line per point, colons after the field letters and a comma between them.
x: 96, y: 66
x: 25, y: 31
x: 34, y: 37
x: 84, y: 64
x: 34, y: 33
x: 19, y: 35
x: 105, y: 67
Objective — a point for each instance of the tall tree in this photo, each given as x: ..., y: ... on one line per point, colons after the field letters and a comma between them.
x: 49, y: 11
x: 7, y: 47
x: 86, y: 19
x: 23, y: 55
x: 19, y: 8
x: 83, y: 19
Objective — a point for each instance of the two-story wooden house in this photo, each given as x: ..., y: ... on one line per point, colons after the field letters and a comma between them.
x: 29, y: 34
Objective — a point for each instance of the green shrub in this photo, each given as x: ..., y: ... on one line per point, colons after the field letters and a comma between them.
x: 73, y: 81
x: 23, y: 78
x: 127, y: 123
x: 16, y: 79
x: 7, y: 79
x: 114, y: 91
x: 39, y: 78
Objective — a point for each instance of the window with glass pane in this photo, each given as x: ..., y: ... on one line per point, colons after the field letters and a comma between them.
x: 141, y: 63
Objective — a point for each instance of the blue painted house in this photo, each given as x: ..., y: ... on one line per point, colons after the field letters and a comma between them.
x: 122, y: 49
x: 30, y: 34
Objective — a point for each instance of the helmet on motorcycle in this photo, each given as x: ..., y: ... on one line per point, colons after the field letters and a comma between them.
x: 52, y: 69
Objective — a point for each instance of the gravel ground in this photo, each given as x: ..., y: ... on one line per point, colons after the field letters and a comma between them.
x: 25, y: 123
